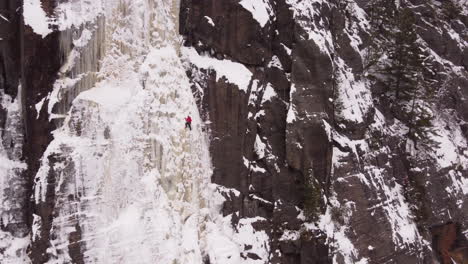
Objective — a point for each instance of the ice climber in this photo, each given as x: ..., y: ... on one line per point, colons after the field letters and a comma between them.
x: 188, y: 122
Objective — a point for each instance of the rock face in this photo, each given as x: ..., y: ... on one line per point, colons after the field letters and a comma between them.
x: 14, y: 190
x: 310, y: 121
x: 254, y: 148
x: 27, y: 61
x: 10, y: 53
x: 312, y: 162
x: 29, y: 69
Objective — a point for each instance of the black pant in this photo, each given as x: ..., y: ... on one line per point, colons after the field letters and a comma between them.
x: 189, y: 125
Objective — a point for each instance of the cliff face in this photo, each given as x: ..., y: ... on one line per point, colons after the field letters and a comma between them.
x: 27, y: 60
x: 311, y: 119
x: 311, y: 159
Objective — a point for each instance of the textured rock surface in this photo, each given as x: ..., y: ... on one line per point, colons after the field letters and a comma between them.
x: 30, y: 61
x: 325, y: 122
x: 307, y: 151
x: 252, y: 144
x: 14, y: 183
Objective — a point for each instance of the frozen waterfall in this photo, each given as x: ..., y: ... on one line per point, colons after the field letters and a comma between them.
x: 128, y: 183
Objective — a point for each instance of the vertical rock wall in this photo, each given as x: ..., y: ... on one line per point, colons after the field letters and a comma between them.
x: 256, y: 149
x: 308, y: 133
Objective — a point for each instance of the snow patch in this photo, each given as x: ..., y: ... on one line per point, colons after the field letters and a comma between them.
x: 76, y: 13
x: 222, y: 249
x: 275, y: 62
x: 261, y: 10
x: 39, y: 106
x: 336, y: 233
x: 289, y: 235
x: 36, y: 227
x: 404, y: 230
x: 36, y: 17
x: 100, y: 95
x: 259, y: 147
x: 85, y: 37
x: 292, y: 113
x: 450, y: 138
x: 288, y: 50
x: 4, y: 18
x: 210, y: 20
x: 255, y: 197
x: 15, y: 249
x: 354, y: 96
x: 269, y: 93
x: 306, y: 14
x: 234, y: 72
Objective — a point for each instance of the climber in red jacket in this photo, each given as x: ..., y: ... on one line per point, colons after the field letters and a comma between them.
x: 188, y: 122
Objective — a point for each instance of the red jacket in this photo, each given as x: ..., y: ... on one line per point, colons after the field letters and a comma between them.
x: 188, y: 119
